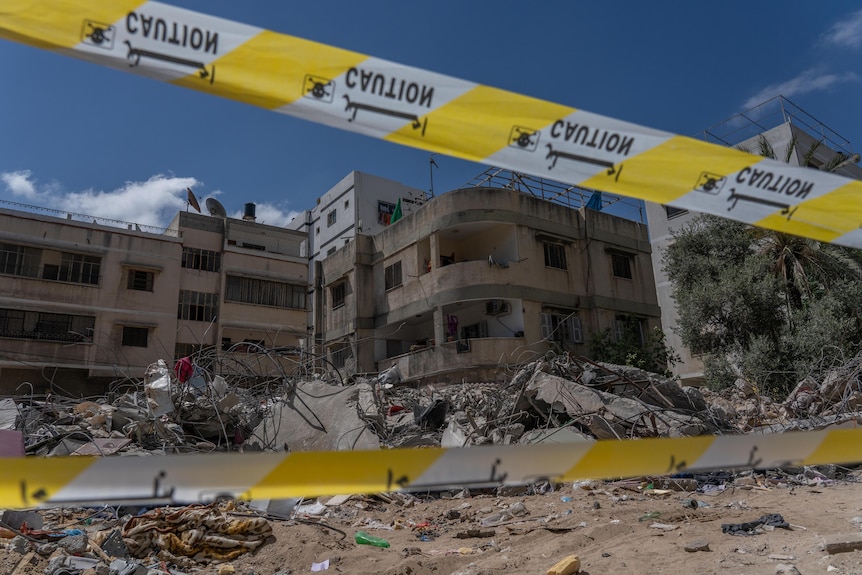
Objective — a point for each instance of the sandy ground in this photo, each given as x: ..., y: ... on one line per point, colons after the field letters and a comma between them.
x: 611, y: 526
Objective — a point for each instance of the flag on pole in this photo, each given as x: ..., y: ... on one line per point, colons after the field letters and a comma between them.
x: 396, y: 214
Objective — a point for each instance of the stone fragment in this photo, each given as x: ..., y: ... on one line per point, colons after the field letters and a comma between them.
x: 74, y: 544
x: 843, y: 543
x: 698, y: 545
x: 786, y: 569
x: 566, y: 566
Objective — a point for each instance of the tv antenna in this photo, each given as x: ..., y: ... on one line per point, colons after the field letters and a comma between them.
x: 215, y: 208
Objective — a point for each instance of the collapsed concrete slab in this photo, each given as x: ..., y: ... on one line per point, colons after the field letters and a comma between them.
x: 636, y: 417
x: 316, y: 417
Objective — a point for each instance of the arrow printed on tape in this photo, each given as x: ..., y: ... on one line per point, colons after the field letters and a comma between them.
x: 438, y: 113
x: 183, y: 479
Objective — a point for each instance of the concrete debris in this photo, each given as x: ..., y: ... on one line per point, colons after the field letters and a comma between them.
x: 559, y: 398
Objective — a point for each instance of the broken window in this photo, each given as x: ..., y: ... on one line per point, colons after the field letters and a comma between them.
x: 338, y: 292
x: 555, y: 256
x: 135, y: 336
x: 622, y: 265
x: 197, y: 306
x: 629, y: 329
x: 339, y: 356
x: 140, y: 280
x: 392, y: 275
x: 205, y: 260
x: 562, y: 327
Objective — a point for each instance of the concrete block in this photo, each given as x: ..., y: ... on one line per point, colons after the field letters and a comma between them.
x: 843, y: 543
x: 567, y: 566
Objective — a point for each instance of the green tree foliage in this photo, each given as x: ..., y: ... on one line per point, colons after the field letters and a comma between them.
x: 769, y: 307
x: 650, y: 352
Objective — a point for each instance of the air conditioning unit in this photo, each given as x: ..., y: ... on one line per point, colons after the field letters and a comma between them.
x: 496, y: 307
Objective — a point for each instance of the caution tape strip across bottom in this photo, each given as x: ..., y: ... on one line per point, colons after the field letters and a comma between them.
x: 180, y: 479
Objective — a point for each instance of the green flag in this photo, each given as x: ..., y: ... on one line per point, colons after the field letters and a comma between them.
x: 396, y: 214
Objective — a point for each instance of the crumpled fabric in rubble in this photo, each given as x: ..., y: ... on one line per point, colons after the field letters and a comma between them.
x: 205, y: 533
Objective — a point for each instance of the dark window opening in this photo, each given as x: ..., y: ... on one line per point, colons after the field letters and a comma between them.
x: 140, y: 280
x: 135, y: 336
x: 622, y: 266
x: 555, y: 256
x: 392, y: 276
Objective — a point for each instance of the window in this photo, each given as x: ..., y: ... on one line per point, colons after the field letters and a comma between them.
x: 629, y: 329
x: 197, y: 306
x: 135, y: 336
x: 60, y: 327
x: 339, y: 356
x: 330, y: 218
x: 20, y: 260
x: 555, y: 256
x: 140, y: 280
x: 622, y: 266
x: 11, y: 322
x: 560, y: 327
x: 384, y: 212
x: 338, y: 292
x: 79, y: 269
x: 346, y: 204
x: 330, y: 251
x: 671, y: 212
x: 264, y: 292
x: 205, y: 260
x: 392, y: 276
x: 317, y: 231
x: 185, y: 350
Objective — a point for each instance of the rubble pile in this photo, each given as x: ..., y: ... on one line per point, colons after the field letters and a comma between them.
x: 559, y: 398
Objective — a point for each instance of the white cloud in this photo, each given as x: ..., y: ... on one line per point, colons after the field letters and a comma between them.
x: 808, y: 81
x: 153, y: 202
x: 19, y: 184
x: 270, y: 215
x: 847, y: 33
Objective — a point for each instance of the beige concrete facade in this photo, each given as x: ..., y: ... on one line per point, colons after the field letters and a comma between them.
x: 83, y: 305
x: 520, y: 274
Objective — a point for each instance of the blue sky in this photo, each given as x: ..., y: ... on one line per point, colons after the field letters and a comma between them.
x: 78, y: 137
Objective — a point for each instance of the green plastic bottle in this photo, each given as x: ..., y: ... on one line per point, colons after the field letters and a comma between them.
x: 364, y: 538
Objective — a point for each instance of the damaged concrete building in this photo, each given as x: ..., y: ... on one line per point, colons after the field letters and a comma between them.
x: 85, y: 302
x: 480, y: 278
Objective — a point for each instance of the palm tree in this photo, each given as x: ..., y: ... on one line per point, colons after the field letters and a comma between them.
x: 804, y: 264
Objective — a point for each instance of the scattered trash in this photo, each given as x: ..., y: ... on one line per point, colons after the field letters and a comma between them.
x: 322, y: 566
x: 364, y: 538
x: 751, y: 527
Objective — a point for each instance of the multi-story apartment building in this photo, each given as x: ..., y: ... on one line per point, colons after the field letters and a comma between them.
x: 359, y: 203
x: 786, y: 128
x: 84, y: 304
x: 483, y: 278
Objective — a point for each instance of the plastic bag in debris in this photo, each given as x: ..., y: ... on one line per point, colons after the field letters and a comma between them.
x: 389, y: 377
x: 157, y: 383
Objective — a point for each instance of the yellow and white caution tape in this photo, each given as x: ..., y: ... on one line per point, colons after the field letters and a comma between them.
x: 438, y: 113
x: 30, y: 481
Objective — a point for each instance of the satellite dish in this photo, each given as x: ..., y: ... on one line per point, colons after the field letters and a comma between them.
x: 215, y: 208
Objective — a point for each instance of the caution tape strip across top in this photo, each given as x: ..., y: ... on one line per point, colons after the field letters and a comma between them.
x: 439, y: 113
x: 166, y: 479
